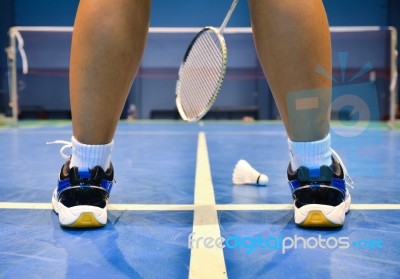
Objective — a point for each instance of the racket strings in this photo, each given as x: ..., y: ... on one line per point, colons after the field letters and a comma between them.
x: 199, y: 60
x: 201, y: 75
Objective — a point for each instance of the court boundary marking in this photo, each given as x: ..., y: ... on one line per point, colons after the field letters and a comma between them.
x: 205, y: 262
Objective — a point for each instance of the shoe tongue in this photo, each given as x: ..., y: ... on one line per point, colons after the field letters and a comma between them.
x: 97, y: 174
x: 336, y: 169
x: 323, y: 173
x: 84, y: 173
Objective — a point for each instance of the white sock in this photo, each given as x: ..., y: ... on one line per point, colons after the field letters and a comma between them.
x: 89, y: 156
x: 312, y: 154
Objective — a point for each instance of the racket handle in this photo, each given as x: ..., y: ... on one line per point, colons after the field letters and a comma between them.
x: 228, y: 16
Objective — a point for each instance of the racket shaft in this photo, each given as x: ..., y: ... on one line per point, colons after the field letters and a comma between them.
x: 228, y: 16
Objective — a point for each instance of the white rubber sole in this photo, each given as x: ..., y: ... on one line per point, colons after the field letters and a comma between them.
x: 320, y: 215
x: 82, y: 216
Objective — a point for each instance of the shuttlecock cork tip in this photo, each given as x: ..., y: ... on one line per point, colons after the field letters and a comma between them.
x: 262, y: 179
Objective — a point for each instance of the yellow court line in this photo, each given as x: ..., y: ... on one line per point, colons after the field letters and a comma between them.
x: 205, y: 262
x: 184, y: 207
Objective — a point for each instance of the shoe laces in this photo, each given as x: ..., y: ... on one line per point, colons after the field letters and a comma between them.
x: 347, y: 178
x: 67, y: 144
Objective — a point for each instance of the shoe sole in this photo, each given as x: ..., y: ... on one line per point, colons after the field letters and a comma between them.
x: 81, y: 216
x: 320, y: 215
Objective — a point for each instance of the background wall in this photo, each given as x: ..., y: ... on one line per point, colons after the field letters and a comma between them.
x: 180, y: 13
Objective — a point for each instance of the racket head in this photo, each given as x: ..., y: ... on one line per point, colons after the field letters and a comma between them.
x: 201, y: 74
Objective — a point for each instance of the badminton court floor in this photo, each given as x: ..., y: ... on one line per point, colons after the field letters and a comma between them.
x: 174, y: 189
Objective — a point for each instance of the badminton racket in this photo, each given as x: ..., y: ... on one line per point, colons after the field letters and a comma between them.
x: 202, y: 71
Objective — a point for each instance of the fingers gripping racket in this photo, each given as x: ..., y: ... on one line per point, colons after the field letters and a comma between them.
x: 202, y: 71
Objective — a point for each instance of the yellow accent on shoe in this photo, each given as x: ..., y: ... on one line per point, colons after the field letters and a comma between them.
x: 85, y: 220
x: 316, y: 218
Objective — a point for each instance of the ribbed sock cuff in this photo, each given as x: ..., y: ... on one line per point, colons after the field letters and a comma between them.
x: 89, y: 156
x: 311, y: 154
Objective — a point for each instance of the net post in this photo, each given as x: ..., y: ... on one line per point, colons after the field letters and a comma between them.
x: 12, y: 57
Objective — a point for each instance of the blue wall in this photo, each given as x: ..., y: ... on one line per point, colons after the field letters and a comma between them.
x: 181, y: 13
x: 200, y: 13
x: 358, y: 12
x: 45, y: 12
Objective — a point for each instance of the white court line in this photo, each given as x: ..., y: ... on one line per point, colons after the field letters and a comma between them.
x: 185, y: 207
x: 205, y: 262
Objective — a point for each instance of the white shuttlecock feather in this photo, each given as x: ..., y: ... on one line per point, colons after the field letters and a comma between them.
x: 244, y: 173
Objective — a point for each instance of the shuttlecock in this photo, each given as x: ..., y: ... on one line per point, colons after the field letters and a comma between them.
x: 244, y: 173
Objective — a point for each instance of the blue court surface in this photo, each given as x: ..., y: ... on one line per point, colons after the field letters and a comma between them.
x: 174, y: 189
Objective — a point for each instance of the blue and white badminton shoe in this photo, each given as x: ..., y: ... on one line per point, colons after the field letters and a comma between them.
x: 321, y: 198
x: 81, y: 196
